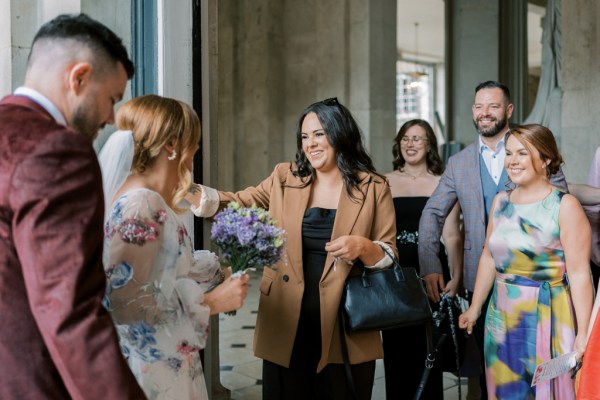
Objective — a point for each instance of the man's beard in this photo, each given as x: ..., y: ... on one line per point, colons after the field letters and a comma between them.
x: 494, y: 130
x: 82, y: 122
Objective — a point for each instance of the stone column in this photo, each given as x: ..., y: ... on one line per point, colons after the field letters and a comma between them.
x: 371, y: 63
x: 581, y: 86
x: 513, y: 54
x: 472, y: 37
x: 5, y: 49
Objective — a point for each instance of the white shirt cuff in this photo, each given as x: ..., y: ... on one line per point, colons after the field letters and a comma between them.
x: 209, y: 203
x: 386, y: 261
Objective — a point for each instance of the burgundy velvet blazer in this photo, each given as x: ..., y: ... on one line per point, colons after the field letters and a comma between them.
x: 56, y: 339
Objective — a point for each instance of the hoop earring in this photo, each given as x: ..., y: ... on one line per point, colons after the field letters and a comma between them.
x: 172, y: 156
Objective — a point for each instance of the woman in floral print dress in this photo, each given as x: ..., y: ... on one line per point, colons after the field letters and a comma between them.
x: 157, y: 286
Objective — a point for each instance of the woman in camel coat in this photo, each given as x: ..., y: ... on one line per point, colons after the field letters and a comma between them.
x: 338, y: 213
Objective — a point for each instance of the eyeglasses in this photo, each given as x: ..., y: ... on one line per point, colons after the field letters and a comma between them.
x: 333, y: 101
x: 415, y: 139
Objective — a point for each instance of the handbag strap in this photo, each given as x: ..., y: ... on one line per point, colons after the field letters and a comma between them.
x: 431, y: 351
x: 394, y: 262
x: 430, y: 360
x: 446, y: 301
x: 431, y: 354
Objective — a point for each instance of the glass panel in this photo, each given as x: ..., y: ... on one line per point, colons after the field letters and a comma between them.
x: 414, y: 91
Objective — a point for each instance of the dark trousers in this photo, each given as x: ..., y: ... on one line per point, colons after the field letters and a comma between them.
x: 405, y: 351
x: 478, y: 332
x: 280, y: 383
x: 595, y: 274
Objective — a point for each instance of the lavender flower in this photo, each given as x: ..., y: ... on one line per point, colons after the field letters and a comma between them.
x: 247, y: 237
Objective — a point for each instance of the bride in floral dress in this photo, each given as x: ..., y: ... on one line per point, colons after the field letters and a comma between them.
x: 160, y: 292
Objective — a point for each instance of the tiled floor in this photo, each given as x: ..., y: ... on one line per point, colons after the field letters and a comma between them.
x: 241, y: 372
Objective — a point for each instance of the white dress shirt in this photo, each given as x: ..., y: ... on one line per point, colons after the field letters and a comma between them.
x: 42, y: 101
x: 494, y: 160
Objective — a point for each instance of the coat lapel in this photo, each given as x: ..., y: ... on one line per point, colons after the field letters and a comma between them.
x: 473, y: 175
x: 295, y: 204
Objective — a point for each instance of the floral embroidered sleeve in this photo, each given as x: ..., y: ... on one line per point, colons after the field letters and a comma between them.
x: 144, y: 249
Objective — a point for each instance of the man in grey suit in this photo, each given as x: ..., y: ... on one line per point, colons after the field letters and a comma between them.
x: 472, y: 177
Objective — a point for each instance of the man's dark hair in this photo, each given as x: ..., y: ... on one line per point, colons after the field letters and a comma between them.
x: 493, y: 85
x: 90, y: 32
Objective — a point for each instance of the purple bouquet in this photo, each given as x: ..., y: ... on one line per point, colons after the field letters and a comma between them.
x: 247, y: 237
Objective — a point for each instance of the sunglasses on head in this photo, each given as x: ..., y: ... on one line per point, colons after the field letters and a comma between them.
x: 333, y: 101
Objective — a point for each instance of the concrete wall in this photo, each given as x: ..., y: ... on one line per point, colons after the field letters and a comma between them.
x: 19, y: 21
x: 581, y: 86
x: 115, y: 14
x: 277, y: 57
x: 473, y: 46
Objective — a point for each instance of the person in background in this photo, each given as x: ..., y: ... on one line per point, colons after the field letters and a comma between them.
x: 338, y: 214
x: 160, y: 293
x: 472, y: 178
x: 589, y: 384
x: 536, y: 259
x: 417, y: 170
x: 56, y: 339
x: 589, y: 196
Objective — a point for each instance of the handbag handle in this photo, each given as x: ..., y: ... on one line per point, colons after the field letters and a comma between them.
x: 398, y: 271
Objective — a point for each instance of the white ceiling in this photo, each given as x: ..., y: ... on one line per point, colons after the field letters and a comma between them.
x: 429, y: 14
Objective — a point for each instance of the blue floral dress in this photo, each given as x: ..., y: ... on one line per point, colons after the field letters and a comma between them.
x: 154, y: 293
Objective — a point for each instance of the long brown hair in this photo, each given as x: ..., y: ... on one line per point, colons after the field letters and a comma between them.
x: 156, y: 121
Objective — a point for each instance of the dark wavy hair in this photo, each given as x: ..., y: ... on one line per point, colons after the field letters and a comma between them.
x: 435, y: 164
x: 344, y: 135
x: 542, y: 139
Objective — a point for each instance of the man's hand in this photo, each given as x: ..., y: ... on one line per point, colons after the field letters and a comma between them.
x: 434, y: 284
x: 454, y: 287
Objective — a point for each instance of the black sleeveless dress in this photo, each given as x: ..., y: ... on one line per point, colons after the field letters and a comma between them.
x: 405, y: 349
x: 300, y: 381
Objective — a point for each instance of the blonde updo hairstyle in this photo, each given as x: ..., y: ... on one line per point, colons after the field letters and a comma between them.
x: 542, y: 139
x: 156, y: 121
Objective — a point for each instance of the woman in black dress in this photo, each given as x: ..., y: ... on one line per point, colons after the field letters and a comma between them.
x: 417, y: 170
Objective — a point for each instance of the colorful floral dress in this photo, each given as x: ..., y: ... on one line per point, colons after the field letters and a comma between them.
x: 530, y: 318
x: 154, y: 293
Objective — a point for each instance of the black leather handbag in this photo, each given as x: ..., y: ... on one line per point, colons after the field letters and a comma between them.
x: 384, y: 299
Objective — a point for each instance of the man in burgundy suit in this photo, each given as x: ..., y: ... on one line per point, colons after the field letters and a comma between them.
x: 56, y: 339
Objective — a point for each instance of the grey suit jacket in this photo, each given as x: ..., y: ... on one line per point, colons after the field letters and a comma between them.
x: 460, y: 182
